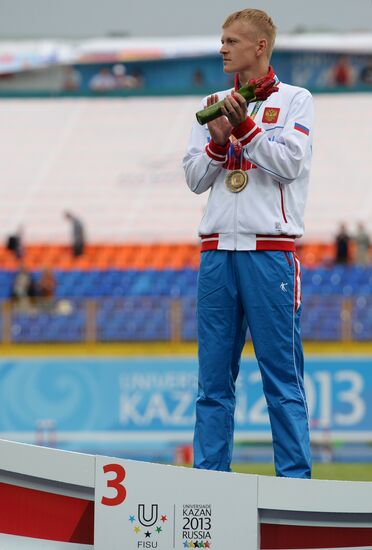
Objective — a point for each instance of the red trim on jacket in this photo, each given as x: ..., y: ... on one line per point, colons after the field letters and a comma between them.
x: 236, y: 82
x: 285, y: 243
x: 276, y: 236
x: 285, y: 246
x: 237, y: 85
x: 246, y: 131
x: 209, y: 242
x: 217, y: 152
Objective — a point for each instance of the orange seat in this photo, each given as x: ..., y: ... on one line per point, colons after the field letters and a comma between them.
x: 134, y: 255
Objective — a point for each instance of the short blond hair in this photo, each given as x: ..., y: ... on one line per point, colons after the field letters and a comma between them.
x: 260, y: 19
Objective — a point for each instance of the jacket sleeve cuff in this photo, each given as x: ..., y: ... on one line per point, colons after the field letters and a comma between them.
x: 217, y: 152
x: 246, y: 131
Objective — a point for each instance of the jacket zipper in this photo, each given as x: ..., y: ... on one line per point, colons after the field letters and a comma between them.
x: 235, y: 220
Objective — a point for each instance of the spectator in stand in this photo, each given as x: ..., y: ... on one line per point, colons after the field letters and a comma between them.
x: 139, y: 78
x: 71, y: 79
x: 342, y: 73
x: 103, y: 81
x: 362, y: 242
x: 198, y: 80
x: 23, y: 290
x: 15, y: 243
x: 46, y: 288
x: 124, y: 81
x: 366, y: 73
x: 342, y: 246
x: 78, y: 234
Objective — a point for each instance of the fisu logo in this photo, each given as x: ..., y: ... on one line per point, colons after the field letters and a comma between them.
x: 152, y: 519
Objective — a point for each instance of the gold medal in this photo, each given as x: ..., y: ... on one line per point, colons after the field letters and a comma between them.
x: 236, y: 180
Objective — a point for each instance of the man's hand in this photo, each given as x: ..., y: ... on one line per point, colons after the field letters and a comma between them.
x: 235, y: 108
x: 264, y: 87
x: 219, y: 128
x: 235, y: 105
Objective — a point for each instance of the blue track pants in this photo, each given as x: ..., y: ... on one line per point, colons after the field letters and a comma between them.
x: 258, y: 289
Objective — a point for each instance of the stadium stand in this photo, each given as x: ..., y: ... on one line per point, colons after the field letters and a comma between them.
x: 102, y: 159
x: 146, y: 304
x: 92, y: 157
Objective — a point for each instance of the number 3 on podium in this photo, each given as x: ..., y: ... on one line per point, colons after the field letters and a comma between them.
x: 115, y: 483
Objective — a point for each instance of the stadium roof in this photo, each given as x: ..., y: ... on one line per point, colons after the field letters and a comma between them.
x: 26, y: 55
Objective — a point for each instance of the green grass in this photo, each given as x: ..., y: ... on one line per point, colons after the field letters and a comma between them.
x: 349, y: 472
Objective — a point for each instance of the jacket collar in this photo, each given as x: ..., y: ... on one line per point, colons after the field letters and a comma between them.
x: 237, y: 84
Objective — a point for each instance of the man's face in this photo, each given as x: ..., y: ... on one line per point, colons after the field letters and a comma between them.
x: 239, y: 47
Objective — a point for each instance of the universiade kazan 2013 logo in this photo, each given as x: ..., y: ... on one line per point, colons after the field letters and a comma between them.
x: 197, y: 526
x: 148, y: 525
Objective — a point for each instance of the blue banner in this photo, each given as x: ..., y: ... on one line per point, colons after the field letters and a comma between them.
x: 77, y: 399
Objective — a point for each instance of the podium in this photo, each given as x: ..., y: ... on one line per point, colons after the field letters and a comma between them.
x: 60, y: 500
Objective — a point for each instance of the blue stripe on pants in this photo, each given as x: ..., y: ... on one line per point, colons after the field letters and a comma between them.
x: 255, y: 288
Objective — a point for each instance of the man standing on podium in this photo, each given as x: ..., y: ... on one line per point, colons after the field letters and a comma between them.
x: 254, y: 161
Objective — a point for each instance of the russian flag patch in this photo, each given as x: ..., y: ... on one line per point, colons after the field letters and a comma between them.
x: 301, y: 128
